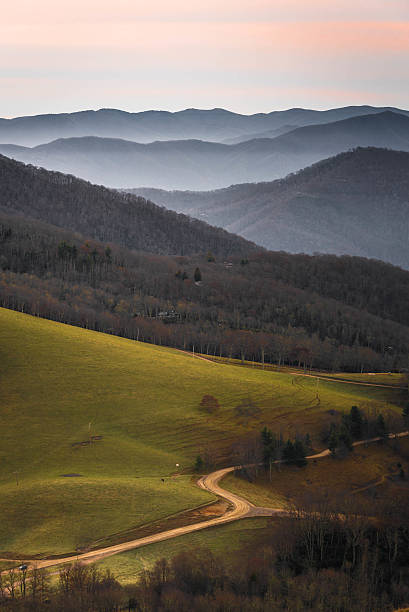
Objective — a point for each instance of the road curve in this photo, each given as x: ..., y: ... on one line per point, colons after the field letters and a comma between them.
x: 289, y: 371
x: 392, y: 436
x: 238, y: 508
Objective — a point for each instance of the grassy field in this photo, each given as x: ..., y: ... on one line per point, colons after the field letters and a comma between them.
x: 57, y: 515
x: 91, y: 423
x: 226, y: 540
x: 385, y: 378
x: 370, y: 472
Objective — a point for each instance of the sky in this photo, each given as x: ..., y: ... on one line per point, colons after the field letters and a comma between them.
x: 244, y: 55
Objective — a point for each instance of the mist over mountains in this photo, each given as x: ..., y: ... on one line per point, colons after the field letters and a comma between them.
x: 110, y: 216
x: 216, y: 125
x: 342, y: 310
x: 356, y: 203
x: 117, y: 262
x: 202, y: 165
x: 349, y: 195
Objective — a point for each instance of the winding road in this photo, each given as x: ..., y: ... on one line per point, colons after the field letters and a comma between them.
x: 239, y: 508
x: 289, y: 370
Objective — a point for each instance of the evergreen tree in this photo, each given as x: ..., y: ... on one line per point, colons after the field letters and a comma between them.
x: 299, y: 453
x: 356, y: 423
x: 267, y: 439
x: 380, y: 426
x: 345, y: 438
x: 333, y: 439
x: 289, y: 452
x: 199, y: 464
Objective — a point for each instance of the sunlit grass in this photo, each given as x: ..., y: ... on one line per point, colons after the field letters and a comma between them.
x: 225, y: 540
x: 62, y: 386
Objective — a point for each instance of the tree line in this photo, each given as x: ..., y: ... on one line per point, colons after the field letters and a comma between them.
x: 239, y: 308
x: 317, y: 558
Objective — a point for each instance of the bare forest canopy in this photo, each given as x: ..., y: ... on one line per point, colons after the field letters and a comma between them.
x: 197, y: 164
x: 324, y: 311
x: 356, y: 203
x: 106, y: 215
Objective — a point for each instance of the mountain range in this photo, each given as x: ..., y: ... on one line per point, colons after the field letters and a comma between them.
x: 200, y: 165
x: 338, y: 312
x: 115, y: 262
x: 216, y: 125
x: 356, y: 203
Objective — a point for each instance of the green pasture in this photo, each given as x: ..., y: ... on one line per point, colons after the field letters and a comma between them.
x: 58, y: 515
x: 90, y: 424
x: 392, y: 379
x: 225, y: 540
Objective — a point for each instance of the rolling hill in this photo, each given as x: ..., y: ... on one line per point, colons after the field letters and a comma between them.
x: 356, y: 203
x: 97, y: 212
x: 329, y: 312
x: 216, y: 125
x: 199, y: 165
x: 62, y: 256
x: 91, y: 423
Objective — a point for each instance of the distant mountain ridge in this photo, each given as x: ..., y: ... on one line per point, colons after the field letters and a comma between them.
x: 356, y: 203
x: 200, y: 165
x: 216, y: 125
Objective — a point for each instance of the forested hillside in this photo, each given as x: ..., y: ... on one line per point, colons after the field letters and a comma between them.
x: 107, y: 215
x: 356, y: 203
x: 329, y: 312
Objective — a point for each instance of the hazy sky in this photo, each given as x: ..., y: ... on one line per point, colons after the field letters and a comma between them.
x: 245, y: 55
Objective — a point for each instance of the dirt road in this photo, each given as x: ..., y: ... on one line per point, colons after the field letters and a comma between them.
x: 289, y: 370
x: 327, y: 452
x: 238, y: 508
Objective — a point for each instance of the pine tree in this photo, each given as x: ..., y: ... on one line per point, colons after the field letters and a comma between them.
x: 199, y: 464
x: 307, y: 442
x: 380, y: 426
x: 289, y: 452
x: 344, y: 436
x: 299, y: 453
x: 333, y: 439
x: 267, y: 440
x: 356, y: 422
